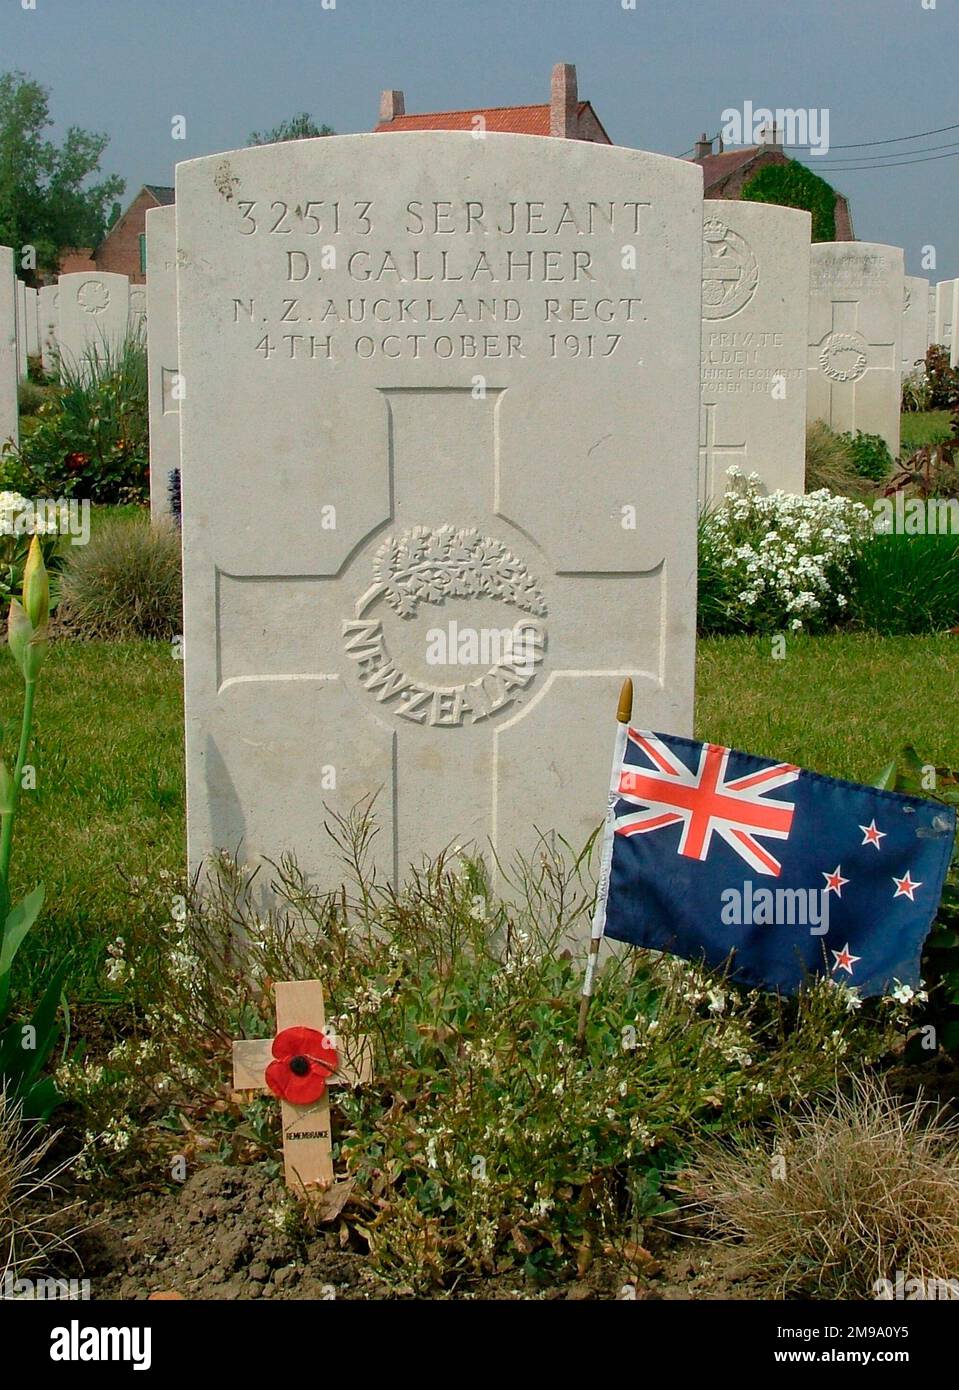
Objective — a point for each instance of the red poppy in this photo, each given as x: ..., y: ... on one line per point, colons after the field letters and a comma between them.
x: 304, y: 1059
x: 77, y: 460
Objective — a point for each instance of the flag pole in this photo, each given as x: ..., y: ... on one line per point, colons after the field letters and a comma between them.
x: 623, y: 715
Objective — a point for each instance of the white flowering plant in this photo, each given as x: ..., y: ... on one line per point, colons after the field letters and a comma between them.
x: 778, y: 562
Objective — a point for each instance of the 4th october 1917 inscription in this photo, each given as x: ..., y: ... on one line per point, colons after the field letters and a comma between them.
x: 439, y: 483
x: 401, y: 295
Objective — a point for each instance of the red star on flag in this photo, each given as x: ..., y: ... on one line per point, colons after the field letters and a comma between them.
x: 872, y: 836
x: 844, y: 960
x: 905, y: 887
x: 834, y: 881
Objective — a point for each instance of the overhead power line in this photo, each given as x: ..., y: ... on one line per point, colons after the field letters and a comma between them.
x: 870, y: 168
x: 867, y: 159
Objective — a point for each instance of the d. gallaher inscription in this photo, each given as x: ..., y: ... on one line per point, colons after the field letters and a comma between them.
x: 468, y: 320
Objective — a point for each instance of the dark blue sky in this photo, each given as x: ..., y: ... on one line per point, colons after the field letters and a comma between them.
x: 657, y: 76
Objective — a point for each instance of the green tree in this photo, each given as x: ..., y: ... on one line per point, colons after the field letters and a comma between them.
x: 792, y: 185
x: 301, y: 127
x: 46, y: 200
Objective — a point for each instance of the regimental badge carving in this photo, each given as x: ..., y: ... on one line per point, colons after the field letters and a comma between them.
x: 844, y: 356
x: 730, y: 271
x: 93, y: 297
x: 426, y: 565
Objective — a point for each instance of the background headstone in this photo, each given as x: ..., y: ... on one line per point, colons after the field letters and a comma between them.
x: 48, y: 319
x: 32, y: 321
x: 138, y: 309
x: 9, y: 373
x: 755, y: 320
x: 932, y: 315
x: 93, y: 311
x: 21, y: 324
x: 406, y: 416
x: 945, y: 298
x: 162, y: 355
x: 954, y: 345
x: 855, y: 337
x: 915, y: 322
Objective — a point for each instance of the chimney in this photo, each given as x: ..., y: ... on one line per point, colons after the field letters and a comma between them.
x: 704, y: 147
x: 770, y: 136
x: 391, y: 105
x: 563, y: 102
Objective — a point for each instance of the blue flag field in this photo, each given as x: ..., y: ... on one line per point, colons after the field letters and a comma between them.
x: 722, y: 857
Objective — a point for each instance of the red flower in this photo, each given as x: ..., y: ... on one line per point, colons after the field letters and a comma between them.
x: 304, y: 1060
x: 77, y: 460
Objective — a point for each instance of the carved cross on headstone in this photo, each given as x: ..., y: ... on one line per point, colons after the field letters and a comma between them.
x: 715, y: 458
x: 844, y: 355
x: 340, y: 656
x: 305, y: 1058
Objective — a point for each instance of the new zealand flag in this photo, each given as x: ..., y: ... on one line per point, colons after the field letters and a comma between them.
x: 722, y: 857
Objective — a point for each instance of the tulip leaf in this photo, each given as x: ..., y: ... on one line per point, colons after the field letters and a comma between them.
x: 19, y: 921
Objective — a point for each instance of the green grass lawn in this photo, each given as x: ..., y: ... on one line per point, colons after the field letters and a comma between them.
x: 923, y: 427
x: 109, y: 754
x: 841, y: 704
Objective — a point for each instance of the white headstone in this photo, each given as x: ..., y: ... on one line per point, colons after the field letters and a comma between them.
x: 945, y: 301
x: 93, y: 312
x: 32, y: 322
x: 954, y: 345
x: 855, y: 337
x: 49, y: 326
x: 22, y: 364
x: 9, y: 427
x: 932, y: 316
x: 138, y: 310
x: 423, y: 407
x: 915, y: 322
x: 755, y: 312
x: 162, y: 355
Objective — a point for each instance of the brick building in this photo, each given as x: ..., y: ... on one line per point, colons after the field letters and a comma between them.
x: 726, y: 171
x: 123, y: 249
x: 564, y: 116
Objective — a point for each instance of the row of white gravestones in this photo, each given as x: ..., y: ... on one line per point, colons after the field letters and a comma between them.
x: 164, y: 381
x: 857, y: 293
x: 755, y: 305
x: 9, y: 366
x: 915, y: 322
x: 439, y: 484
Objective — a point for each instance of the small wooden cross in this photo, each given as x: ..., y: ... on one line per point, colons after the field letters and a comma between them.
x: 307, y: 1147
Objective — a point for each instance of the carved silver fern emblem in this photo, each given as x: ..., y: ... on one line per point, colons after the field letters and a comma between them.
x: 423, y: 565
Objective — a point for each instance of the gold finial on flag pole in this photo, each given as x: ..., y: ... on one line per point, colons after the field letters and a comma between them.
x: 624, y: 713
